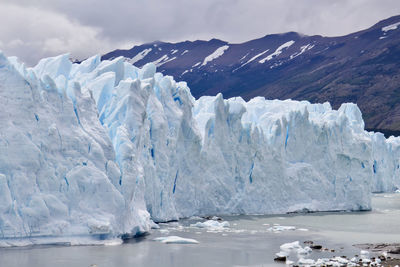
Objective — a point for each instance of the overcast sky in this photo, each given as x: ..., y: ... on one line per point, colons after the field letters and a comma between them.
x: 32, y: 29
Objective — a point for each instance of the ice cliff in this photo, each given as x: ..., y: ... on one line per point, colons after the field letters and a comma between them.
x: 100, y: 148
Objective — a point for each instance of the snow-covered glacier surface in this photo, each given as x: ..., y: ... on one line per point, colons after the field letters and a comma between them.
x: 101, y: 148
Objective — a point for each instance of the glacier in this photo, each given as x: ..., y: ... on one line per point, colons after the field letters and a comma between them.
x: 104, y: 149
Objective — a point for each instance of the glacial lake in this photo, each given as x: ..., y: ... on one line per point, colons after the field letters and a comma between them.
x: 249, y: 241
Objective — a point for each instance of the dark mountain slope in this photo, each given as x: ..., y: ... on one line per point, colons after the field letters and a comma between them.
x: 363, y: 67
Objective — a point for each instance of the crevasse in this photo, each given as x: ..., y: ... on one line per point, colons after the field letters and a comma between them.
x: 103, y: 148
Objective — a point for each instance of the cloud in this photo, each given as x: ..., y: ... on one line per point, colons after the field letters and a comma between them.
x: 48, y: 27
x: 32, y: 33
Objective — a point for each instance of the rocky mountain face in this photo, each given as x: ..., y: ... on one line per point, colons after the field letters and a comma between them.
x: 362, y: 67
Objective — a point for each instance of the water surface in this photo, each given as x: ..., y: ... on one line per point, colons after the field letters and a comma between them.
x: 247, y: 242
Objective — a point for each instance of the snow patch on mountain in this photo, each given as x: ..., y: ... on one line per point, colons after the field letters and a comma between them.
x: 303, y: 49
x: 140, y: 56
x: 216, y: 54
x: 197, y: 64
x: 242, y: 58
x: 251, y: 59
x: 390, y: 27
x: 277, y: 52
x: 162, y: 60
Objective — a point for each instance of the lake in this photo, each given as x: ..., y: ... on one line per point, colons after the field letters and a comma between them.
x: 249, y: 241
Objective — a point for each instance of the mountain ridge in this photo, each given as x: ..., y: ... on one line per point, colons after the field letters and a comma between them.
x: 361, y: 67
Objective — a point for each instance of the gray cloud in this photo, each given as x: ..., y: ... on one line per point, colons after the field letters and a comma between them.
x: 36, y: 28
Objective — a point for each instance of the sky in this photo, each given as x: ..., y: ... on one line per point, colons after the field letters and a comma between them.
x: 33, y: 29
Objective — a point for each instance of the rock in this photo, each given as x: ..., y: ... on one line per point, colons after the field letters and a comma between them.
x: 316, y: 247
x: 395, y: 250
x: 280, y: 258
x: 214, y: 218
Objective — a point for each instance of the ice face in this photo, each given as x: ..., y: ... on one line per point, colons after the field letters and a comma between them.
x: 57, y: 162
x: 99, y: 148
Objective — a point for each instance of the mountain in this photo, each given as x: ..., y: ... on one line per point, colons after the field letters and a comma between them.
x: 362, y: 67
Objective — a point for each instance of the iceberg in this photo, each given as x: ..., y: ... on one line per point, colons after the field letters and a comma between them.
x: 104, y: 149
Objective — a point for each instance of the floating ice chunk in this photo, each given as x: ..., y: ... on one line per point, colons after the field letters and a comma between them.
x: 290, y: 246
x: 340, y: 260
x: 305, y: 262
x: 281, y: 228
x: 211, y: 225
x: 113, y: 242
x: 164, y: 231
x: 364, y: 253
x: 175, y: 240
x: 304, y: 251
x: 354, y: 259
x: 366, y: 260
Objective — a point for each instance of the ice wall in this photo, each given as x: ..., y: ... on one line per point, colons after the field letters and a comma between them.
x: 58, y: 174
x: 96, y: 148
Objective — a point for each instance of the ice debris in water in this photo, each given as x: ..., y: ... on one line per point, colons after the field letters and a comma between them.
x: 175, y: 240
x: 281, y: 228
x: 102, y: 148
x: 211, y: 225
x: 290, y: 246
x: 302, y: 253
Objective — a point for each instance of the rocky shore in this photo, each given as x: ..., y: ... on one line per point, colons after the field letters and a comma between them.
x: 381, y: 254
